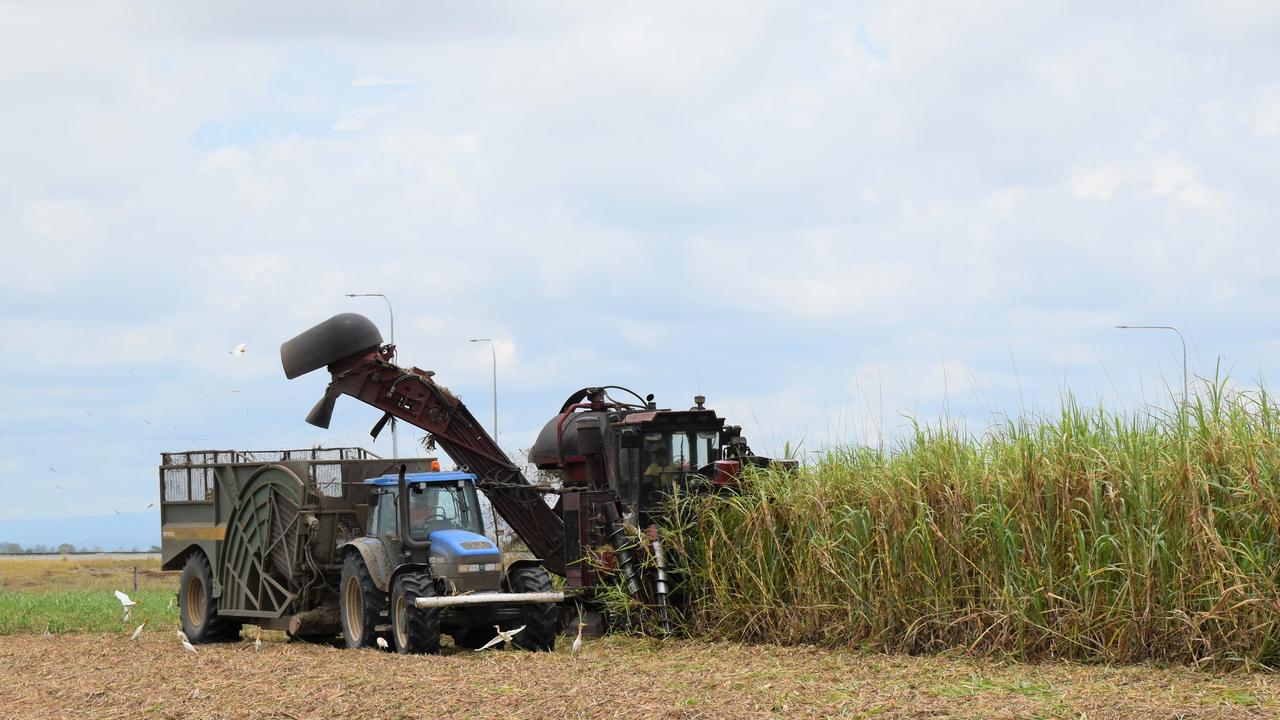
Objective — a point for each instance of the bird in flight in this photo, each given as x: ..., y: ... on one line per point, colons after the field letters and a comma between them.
x: 126, y: 603
x: 503, y: 637
x: 238, y: 350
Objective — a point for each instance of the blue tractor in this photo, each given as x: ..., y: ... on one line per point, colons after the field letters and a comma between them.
x: 425, y: 565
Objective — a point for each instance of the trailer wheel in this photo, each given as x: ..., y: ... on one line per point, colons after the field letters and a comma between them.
x: 360, y: 603
x: 541, y: 622
x: 414, y: 630
x: 197, y: 606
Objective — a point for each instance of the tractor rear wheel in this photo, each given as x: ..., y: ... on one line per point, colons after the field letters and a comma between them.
x: 360, y: 603
x: 197, y: 606
x: 541, y: 620
x: 414, y: 630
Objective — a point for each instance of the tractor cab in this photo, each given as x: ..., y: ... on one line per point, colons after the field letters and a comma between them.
x: 443, y: 523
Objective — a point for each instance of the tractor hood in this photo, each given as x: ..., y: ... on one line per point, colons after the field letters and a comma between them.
x: 462, y: 544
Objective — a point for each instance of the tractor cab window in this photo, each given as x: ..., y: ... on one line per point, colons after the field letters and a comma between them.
x: 385, y: 520
x: 444, y: 507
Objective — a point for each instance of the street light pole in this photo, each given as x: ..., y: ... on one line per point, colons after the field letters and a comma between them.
x: 1185, y: 394
x: 493, y: 516
x: 395, y: 446
x: 494, y: 354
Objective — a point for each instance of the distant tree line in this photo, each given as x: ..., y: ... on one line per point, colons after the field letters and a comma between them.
x: 13, y: 548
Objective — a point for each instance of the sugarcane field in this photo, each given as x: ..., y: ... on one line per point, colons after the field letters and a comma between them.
x: 672, y: 360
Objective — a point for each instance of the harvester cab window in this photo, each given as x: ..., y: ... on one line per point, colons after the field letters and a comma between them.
x: 680, y: 451
x: 708, y: 448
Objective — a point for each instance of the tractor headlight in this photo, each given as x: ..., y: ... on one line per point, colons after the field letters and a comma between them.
x: 478, y: 567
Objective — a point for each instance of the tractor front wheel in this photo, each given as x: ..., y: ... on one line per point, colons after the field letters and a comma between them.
x: 414, y: 630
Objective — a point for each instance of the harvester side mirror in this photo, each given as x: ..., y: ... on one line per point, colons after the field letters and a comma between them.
x: 322, y: 413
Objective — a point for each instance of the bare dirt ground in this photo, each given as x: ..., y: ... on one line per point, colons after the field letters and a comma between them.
x: 108, y: 676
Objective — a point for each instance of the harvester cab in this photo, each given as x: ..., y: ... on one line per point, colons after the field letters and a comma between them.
x: 644, y: 454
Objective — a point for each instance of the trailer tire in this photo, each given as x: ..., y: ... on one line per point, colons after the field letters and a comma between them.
x: 541, y: 620
x: 360, y: 603
x: 413, y: 630
x: 198, y: 608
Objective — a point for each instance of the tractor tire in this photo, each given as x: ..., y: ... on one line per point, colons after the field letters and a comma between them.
x: 360, y: 603
x: 541, y: 620
x: 414, y: 631
x: 473, y: 638
x: 197, y: 606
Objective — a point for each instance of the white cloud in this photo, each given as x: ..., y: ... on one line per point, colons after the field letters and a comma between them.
x: 1171, y: 175
x: 227, y: 157
x: 57, y: 219
x: 1266, y: 119
x: 1097, y: 182
x: 360, y: 118
x: 375, y: 81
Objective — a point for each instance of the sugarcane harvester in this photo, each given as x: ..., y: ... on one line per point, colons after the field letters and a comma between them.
x: 617, y: 459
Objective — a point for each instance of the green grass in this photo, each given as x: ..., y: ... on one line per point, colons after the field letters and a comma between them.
x: 1088, y: 535
x: 83, y: 611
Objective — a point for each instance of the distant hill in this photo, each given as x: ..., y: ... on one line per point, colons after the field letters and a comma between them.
x: 87, y: 532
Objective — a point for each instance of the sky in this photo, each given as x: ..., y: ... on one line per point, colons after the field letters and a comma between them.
x: 828, y: 218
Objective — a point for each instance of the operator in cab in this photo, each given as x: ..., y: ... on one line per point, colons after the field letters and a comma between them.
x: 661, y: 464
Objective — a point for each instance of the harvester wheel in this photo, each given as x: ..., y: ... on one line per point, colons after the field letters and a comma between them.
x: 414, y: 630
x: 197, y: 606
x: 360, y: 603
x: 541, y: 623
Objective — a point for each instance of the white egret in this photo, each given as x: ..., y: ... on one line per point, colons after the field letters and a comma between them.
x: 138, y: 633
x: 127, y: 603
x: 503, y: 636
x: 577, y: 642
x: 238, y: 350
x: 382, y: 643
x: 257, y: 640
